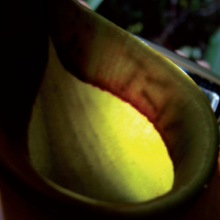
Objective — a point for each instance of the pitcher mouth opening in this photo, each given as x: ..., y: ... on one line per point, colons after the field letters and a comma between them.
x: 180, y: 124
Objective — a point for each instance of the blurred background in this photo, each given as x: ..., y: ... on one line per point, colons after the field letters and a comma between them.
x: 189, y: 27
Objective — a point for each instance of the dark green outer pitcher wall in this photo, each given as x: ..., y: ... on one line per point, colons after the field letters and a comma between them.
x: 187, y: 126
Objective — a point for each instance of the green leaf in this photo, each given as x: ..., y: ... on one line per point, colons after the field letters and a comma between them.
x: 94, y: 4
x: 213, y: 52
